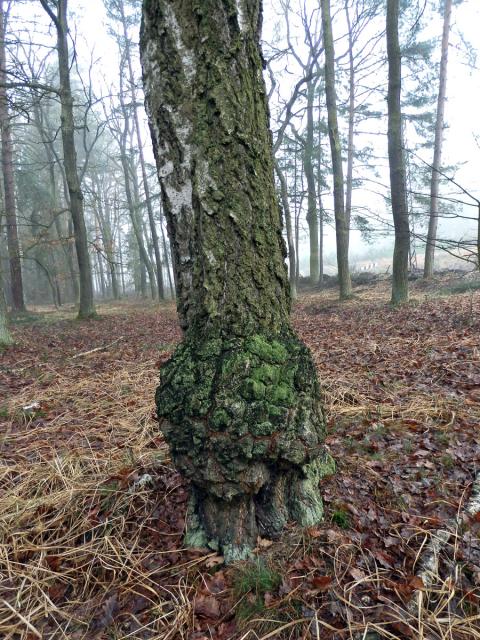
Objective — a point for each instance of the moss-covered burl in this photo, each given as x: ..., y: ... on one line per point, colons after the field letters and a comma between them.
x: 239, y: 401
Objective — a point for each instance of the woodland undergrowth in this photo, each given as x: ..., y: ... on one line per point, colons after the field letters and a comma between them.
x: 92, y: 513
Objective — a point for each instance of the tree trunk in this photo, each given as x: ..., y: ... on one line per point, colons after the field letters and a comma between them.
x: 341, y: 225
x: 437, y: 149
x: 18, y: 301
x: 5, y: 337
x: 120, y: 255
x: 312, y: 215
x: 292, y: 267
x: 396, y: 159
x: 239, y: 401
x: 86, y: 306
x: 47, y: 138
x: 297, y: 218
x: 321, y: 212
x: 351, y: 119
x: 133, y: 199
x: 166, y: 253
x: 103, y: 217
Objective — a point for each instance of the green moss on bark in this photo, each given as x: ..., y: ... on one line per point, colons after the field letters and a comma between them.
x: 239, y: 400
x: 240, y: 419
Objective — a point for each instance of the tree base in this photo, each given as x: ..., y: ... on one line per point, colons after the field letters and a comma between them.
x: 233, y: 527
x: 244, y: 424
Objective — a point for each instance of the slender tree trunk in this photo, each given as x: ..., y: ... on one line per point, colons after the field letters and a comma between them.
x: 86, y: 306
x: 238, y: 402
x: 312, y: 214
x: 18, y: 301
x: 140, y: 233
x: 5, y: 336
x: 120, y: 255
x: 104, y: 220
x: 55, y: 203
x: 143, y: 279
x: 437, y: 149
x: 397, y: 159
x: 321, y: 213
x: 297, y: 219
x: 146, y: 189
x: 292, y: 267
x: 133, y: 200
x: 166, y: 253
x: 351, y: 119
x: 75, y: 280
x: 101, y: 275
x: 341, y: 224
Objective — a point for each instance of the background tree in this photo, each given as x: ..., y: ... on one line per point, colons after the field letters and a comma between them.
x: 438, y: 145
x: 5, y: 337
x: 243, y: 425
x: 57, y: 12
x: 396, y: 158
x: 341, y: 223
x: 18, y: 302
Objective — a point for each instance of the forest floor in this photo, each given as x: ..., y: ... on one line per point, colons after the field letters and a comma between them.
x: 92, y: 513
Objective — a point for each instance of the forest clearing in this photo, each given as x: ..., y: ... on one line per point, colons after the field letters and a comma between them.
x: 93, y: 513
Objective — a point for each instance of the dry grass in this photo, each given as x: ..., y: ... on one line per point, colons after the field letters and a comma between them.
x: 84, y: 481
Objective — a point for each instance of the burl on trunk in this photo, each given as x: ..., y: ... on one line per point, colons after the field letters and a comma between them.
x: 238, y: 402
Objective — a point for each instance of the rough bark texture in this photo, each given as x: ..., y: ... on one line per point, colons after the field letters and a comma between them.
x: 239, y: 400
x: 438, y: 145
x: 18, y: 302
x: 396, y: 159
x: 341, y: 226
x: 86, y: 305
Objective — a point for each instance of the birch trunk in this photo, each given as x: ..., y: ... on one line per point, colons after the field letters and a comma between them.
x: 239, y: 401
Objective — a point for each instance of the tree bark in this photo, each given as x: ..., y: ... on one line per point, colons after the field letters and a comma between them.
x: 18, y: 301
x: 438, y: 144
x: 341, y: 225
x: 238, y: 402
x: 397, y: 159
x: 86, y: 306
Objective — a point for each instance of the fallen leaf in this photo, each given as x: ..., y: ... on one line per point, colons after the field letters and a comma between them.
x: 207, y: 607
x: 322, y: 583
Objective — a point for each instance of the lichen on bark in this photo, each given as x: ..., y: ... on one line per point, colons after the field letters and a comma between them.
x: 239, y: 401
